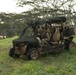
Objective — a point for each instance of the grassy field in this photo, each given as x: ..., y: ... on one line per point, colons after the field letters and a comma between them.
x: 57, y: 64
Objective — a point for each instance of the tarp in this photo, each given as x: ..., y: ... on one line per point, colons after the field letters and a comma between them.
x: 50, y: 20
x: 56, y: 19
x: 27, y: 39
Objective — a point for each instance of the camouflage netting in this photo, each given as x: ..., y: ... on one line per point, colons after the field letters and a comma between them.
x: 56, y: 20
x: 27, y: 39
x: 49, y: 20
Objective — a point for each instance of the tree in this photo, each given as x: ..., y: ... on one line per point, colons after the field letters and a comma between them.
x: 11, y: 24
x: 46, y: 8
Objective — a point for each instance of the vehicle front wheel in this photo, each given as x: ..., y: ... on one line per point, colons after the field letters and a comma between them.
x: 33, y: 54
x: 11, y: 52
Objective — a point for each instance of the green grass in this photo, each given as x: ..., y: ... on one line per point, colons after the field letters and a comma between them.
x: 74, y: 39
x: 57, y: 64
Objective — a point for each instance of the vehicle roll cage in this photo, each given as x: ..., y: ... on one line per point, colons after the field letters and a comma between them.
x: 38, y: 22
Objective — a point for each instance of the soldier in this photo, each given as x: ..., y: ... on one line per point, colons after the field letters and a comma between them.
x: 67, y: 44
x: 43, y: 36
x: 48, y: 33
x: 43, y: 32
x: 68, y: 36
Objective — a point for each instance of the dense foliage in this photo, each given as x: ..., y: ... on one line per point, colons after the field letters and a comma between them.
x: 12, y: 24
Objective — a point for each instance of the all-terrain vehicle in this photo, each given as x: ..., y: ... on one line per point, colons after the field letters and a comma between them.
x: 49, y: 35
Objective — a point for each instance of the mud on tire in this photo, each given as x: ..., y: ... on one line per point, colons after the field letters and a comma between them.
x: 33, y: 53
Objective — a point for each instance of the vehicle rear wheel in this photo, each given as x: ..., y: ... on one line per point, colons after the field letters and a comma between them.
x: 33, y: 54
